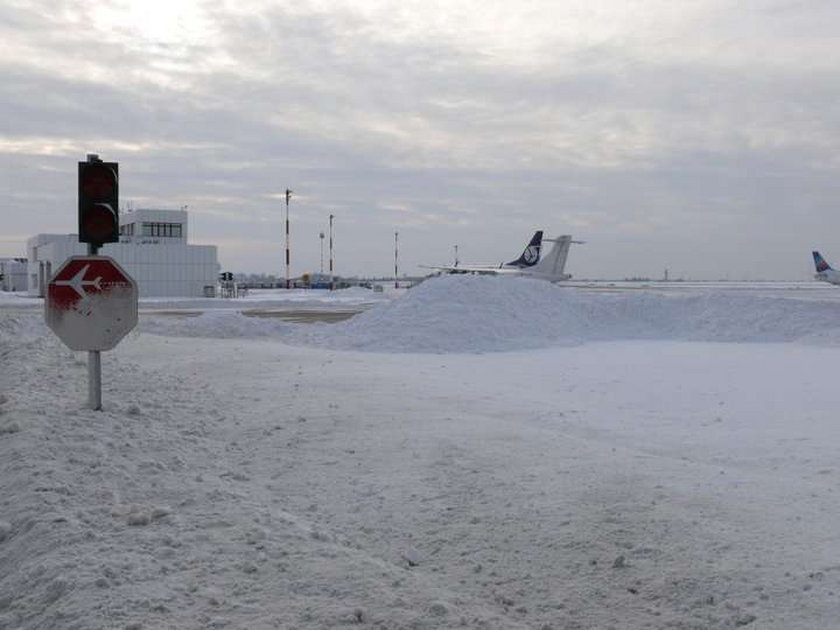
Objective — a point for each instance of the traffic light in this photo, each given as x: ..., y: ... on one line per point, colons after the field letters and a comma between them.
x: 99, y: 220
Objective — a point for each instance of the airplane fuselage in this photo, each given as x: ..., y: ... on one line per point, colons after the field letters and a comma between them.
x: 829, y: 275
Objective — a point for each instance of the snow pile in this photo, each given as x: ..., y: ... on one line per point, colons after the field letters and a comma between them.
x: 485, y: 314
x: 157, y: 512
x: 488, y: 314
x: 21, y: 327
x: 271, y: 298
x: 13, y: 298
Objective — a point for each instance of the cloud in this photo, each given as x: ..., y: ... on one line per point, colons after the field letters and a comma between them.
x: 463, y: 122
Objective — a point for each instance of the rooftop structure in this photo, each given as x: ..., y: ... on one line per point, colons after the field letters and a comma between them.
x: 153, y: 249
x: 12, y: 274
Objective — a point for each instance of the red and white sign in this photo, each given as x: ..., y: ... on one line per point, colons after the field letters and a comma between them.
x: 91, y: 303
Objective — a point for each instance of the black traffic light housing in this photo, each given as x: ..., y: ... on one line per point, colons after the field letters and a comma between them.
x: 99, y: 190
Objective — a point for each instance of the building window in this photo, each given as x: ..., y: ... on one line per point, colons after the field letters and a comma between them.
x: 166, y: 230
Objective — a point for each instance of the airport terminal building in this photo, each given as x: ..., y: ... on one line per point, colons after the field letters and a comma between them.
x: 153, y: 249
x: 12, y: 274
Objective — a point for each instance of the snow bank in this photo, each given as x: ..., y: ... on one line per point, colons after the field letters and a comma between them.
x: 487, y: 314
x: 272, y: 298
x: 23, y: 326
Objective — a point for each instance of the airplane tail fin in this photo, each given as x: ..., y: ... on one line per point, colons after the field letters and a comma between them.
x: 820, y: 262
x: 531, y: 255
x: 553, y: 264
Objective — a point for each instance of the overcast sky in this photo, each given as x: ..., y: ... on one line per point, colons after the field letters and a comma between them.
x: 696, y: 135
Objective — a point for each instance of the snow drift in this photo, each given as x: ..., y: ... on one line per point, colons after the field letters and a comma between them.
x: 487, y: 314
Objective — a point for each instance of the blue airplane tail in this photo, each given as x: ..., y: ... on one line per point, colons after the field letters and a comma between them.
x: 531, y: 255
x: 820, y: 262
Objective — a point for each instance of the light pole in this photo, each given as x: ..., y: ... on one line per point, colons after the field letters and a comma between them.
x: 396, y: 259
x: 332, y: 277
x: 288, y: 196
x: 322, y: 252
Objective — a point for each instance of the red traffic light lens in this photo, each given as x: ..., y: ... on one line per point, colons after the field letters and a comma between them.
x: 98, y: 181
x: 99, y: 221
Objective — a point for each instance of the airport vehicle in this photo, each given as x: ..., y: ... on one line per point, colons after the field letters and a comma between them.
x: 824, y: 271
x: 550, y: 267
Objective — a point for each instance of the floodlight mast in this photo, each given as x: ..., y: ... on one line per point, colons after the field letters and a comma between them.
x: 332, y: 276
x: 288, y: 257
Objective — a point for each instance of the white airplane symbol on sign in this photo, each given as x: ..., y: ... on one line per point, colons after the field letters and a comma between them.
x: 78, y: 282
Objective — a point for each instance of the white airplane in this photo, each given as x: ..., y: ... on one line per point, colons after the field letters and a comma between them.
x: 824, y: 270
x: 550, y: 268
x: 529, y: 257
x: 78, y: 282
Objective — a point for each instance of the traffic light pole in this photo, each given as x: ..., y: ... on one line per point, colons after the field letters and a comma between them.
x: 94, y: 356
x: 98, y: 224
x: 95, y: 380
x: 94, y: 362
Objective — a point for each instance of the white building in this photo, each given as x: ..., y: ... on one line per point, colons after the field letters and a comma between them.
x: 153, y: 249
x: 12, y: 274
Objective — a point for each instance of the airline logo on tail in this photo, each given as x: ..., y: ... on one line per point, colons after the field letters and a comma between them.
x: 820, y: 263
x: 531, y: 255
x: 825, y: 272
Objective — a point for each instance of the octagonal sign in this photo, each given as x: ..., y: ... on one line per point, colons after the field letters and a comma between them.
x: 91, y: 303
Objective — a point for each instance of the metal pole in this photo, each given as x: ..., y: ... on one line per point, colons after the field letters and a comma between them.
x: 322, y: 254
x: 288, y: 281
x: 396, y: 259
x: 95, y: 380
x: 94, y: 358
x: 332, y: 277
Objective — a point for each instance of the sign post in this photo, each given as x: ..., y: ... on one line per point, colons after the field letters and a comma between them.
x: 91, y: 305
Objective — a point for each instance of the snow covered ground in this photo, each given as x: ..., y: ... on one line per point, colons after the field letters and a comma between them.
x: 474, y: 452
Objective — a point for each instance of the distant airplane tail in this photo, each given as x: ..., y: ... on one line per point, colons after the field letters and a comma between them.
x: 554, y: 263
x: 531, y: 255
x: 820, y: 262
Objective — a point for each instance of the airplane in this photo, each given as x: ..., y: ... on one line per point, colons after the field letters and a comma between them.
x: 824, y: 270
x: 77, y: 282
x: 548, y: 268
x: 529, y: 257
